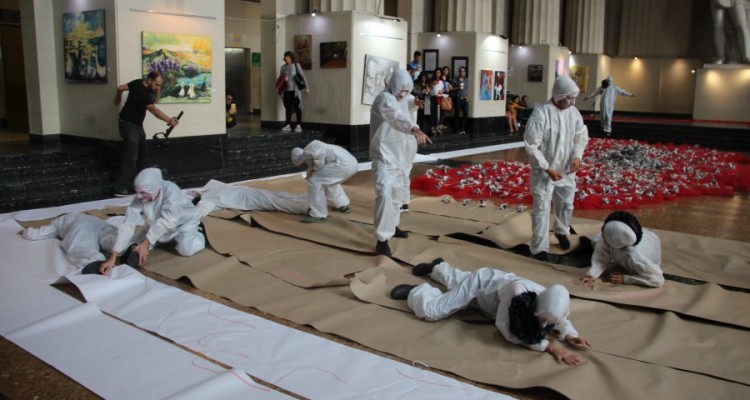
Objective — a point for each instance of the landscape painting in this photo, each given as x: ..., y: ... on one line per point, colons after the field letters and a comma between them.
x: 185, y: 63
x: 85, y: 47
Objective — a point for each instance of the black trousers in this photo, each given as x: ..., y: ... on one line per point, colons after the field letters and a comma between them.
x: 291, y: 105
x: 133, y: 154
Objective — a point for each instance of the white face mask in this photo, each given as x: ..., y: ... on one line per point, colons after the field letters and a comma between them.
x: 401, y: 94
x: 566, y: 102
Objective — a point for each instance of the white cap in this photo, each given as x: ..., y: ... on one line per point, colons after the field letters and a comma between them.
x: 400, y: 80
x: 552, y: 304
x: 297, y: 156
x: 149, y: 180
x: 619, y: 234
x: 564, y: 87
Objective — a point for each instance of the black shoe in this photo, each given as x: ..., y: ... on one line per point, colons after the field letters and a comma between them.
x: 123, y: 192
x: 426, y: 268
x: 400, y: 234
x: 197, y: 199
x: 129, y: 257
x: 542, y: 256
x: 572, y: 231
x: 92, y: 268
x: 383, y: 248
x: 401, y: 292
x: 404, y: 208
x: 564, y: 242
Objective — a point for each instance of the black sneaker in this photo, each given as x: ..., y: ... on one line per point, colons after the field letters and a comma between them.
x: 92, y: 268
x: 129, y: 257
x: 404, y: 208
x: 400, y: 234
x: 564, y: 242
x: 401, y: 292
x: 383, y: 248
x: 426, y: 268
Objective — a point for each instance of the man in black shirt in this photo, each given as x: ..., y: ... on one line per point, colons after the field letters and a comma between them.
x: 132, y: 115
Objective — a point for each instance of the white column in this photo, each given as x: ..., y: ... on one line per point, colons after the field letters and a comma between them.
x: 371, y: 6
x: 413, y: 12
x: 536, y: 22
x: 584, y: 26
x: 464, y: 15
x: 272, y: 48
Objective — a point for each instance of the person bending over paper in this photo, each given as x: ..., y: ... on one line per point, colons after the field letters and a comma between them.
x: 84, y: 240
x: 623, y: 244
x: 524, y: 311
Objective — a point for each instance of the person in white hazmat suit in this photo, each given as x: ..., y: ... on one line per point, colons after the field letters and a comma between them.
x: 85, y: 239
x: 328, y: 166
x: 248, y: 199
x: 169, y: 214
x: 555, y: 139
x: 391, y: 129
x: 413, y: 105
x: 624, y: 245
x: 524, y: 311
x: 609, y: 92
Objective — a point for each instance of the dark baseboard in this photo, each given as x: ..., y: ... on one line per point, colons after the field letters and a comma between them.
x: 44, y: 139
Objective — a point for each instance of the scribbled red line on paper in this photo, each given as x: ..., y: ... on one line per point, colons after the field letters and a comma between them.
x: 466, y: 389
x: 229, y: 320
x: 336, y: 377
x: 233, y: 373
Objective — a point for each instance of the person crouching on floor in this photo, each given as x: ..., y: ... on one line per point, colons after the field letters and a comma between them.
x: 524, y: 311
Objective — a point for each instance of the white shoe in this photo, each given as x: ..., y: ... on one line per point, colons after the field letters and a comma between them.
x: 298, y: 128
x: 286, y: 128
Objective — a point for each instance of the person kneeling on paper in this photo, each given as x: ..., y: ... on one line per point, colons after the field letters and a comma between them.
x: 524, y: 311
x: 624, y: 244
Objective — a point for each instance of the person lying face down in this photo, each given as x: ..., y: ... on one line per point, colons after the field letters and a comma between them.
x: 248, y: 199
x: 524, y: 311
x: 624, y: 245
x: 85, y: 239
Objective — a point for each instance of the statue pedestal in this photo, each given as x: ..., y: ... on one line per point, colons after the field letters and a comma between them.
x: 722, y: 93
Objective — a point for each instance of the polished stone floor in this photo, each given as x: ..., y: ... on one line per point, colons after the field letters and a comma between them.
x: 23, y: 376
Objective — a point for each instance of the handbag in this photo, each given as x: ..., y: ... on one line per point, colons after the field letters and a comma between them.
x: 280, y: 85
x: 446, y: 104
x: 298, y: 79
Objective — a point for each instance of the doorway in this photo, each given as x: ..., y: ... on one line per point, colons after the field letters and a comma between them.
x: 13, y: 85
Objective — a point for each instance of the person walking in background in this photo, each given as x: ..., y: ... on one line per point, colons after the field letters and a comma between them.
x: 609, y: 92
x: 460, y: 88
x: 140, y: 99
x: 292, y: 95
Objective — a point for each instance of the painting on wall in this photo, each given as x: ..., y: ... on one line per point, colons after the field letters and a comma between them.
x: 580, y: 75
x: 485, y: 84
x: 430, y: 58
x: 499, y: 91
x: 536, y: 72
x: 185, y: 63
x: 333, y: 55
x: 303, y: 50
x: 377, y: 73
x: 458, y: 62
x: 85, y: 46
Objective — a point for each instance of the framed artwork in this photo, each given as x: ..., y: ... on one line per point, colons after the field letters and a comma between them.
x: 536, y: 72
x: 303, y: 50
x: 85, y: 47
x: 378, y: 71
x: 333, y: 55
x: 185, y: 63
x: 498, y: 92
x: 430, y: 60
x: 458, y: 62
x: 559, y: 68
x: 485, y: 84
x: 580, y: 75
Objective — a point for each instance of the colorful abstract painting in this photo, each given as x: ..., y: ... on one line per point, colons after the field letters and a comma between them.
x: 333, y: 55
x: 485, y: 84
x: 85, y: 47
x: 580, y: 75
x: 303, y: 50
x: 499, y: 92
x: 185, y: 63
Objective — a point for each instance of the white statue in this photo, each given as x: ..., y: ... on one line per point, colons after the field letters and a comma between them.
x: 736, y: 11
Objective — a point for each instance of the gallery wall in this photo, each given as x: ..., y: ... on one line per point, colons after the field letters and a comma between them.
x: 242, y: 27
x: 722, y: 94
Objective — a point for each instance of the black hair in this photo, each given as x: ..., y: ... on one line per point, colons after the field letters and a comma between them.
x: 417, y: 53
x: 630, y: 220
x: 291, y: 56
x: 605, y: 83
x: 153, y: 75
x: 523, y: 322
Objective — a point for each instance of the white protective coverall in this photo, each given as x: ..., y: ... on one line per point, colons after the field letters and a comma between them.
x: 553, y: 138
x: 411, y: 150
x: 249, y: 199
x: 390, y: 137
x: 642, y: 262
x: 493, y: 290
x: 328, y: 166
x: 85, y: 238
x: 170, y: 216
x: 607, y: 104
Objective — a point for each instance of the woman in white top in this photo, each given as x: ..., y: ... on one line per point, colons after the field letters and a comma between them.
x: 438, y: 90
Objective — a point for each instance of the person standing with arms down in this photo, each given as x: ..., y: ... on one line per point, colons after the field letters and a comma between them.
x: 292, y: 96
x: 555, y: 139
x: 140, y: 99
x: 391, y: 126
x: 328, y: 166
x: 609, y: 92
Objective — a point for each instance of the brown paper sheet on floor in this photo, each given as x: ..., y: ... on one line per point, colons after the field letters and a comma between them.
x: 296, y: 261
x: 659, y: 338
x: 472, y: 351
